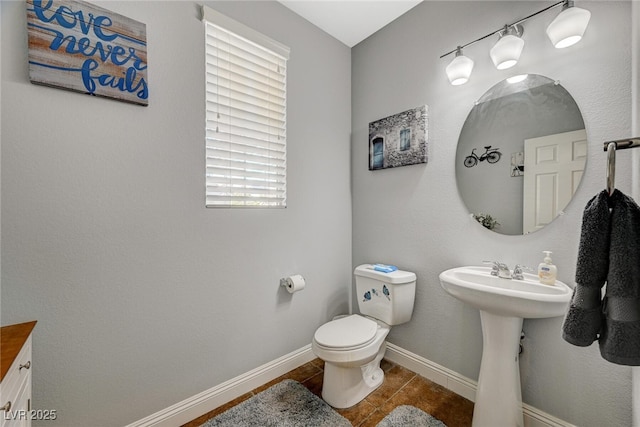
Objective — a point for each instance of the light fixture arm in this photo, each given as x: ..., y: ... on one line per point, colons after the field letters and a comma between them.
x: 515, y: 29
x: 519, y: 29
x: 516, y: 25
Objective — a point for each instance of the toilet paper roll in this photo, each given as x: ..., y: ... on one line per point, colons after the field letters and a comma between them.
x: 295, y: 283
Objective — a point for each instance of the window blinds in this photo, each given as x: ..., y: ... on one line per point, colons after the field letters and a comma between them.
x: 245, y: 116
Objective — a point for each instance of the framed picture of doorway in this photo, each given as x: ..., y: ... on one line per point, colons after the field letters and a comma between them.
x: 399, y: 140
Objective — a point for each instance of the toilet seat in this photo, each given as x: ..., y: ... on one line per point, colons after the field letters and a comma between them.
x: 346, y: 333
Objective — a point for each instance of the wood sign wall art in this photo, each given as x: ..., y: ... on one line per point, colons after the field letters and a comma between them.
x: 77, y: 46
x: 517, y: 164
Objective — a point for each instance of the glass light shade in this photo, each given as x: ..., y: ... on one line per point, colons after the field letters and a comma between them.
x: 568, y: 27
x: 506, y: 52
x: 518, y: 78
x: 459, y: 70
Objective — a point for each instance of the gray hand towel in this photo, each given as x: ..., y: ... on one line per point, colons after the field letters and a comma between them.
x: 620, y: 336
x: 609, y: 252
x: 584, y: 317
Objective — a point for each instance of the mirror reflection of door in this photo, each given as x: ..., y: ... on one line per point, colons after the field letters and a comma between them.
x: 378, y: 153
x: 553, y: 166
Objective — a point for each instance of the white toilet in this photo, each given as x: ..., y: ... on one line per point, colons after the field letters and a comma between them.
x: 353, y: 346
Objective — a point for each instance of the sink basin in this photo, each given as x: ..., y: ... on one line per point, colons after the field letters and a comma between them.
x: 526, y: 298
x: 503, y: 304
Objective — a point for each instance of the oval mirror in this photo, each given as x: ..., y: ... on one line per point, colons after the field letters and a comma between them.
x: 521, y: 154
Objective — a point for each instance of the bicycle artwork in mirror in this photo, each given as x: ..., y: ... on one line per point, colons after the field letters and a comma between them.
x: 491, y: 155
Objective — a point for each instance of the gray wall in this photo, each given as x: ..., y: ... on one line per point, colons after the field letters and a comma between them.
x: 414, y: 217
x: 136, y: 286
x: 143, y: 297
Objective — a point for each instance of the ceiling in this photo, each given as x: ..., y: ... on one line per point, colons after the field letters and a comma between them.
x: 350, y: 21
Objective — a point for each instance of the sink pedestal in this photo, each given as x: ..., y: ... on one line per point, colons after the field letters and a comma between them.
x: 499, y: 397
x: 503, y: 305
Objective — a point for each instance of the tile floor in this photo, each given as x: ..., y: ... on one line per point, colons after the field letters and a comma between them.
x: 400, y: 387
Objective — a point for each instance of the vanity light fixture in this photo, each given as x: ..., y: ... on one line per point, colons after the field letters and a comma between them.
x: 569, y: 26
x: 565, y: 30
x: 506, y: 52
x: 459, y: 70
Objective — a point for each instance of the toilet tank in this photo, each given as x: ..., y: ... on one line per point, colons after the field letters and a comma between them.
x: 387, y: 297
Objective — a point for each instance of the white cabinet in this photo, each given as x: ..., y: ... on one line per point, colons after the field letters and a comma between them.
x: 15, y: 388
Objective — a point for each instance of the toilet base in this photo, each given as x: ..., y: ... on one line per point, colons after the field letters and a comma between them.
x: 344, y: 387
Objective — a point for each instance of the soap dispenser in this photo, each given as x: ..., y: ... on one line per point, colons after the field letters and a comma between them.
x: 546, y: 270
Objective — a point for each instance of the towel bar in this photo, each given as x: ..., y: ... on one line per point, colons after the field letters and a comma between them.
x: 610, y: 147
x: 611, y: 167
x: 621, y: 144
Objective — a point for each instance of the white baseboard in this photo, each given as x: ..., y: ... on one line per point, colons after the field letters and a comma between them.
x: 462, y: 385
x: 432, y: 371
x: 208, y: 400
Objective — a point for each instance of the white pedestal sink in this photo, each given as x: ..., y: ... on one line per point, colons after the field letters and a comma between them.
x: 503, y: 304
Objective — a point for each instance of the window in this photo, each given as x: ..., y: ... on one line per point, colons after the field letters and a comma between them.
x: 405, y: 139
x: 246, y: 137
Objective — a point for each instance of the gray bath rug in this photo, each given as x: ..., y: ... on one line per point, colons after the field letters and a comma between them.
x: 409, y: 416
x: 286, y: 404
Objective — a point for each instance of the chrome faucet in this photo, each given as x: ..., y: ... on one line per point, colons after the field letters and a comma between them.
x: 518, y: 271
x: 500, y: 269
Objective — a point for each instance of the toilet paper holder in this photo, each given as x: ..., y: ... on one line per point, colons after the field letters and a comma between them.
x: 293, y: 283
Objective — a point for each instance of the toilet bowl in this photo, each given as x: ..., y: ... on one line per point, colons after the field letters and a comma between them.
x: 352, y: 348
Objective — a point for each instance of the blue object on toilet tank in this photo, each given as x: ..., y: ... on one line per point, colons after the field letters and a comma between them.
x: 385, y: 268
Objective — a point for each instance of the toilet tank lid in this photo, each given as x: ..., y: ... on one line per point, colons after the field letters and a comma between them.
x: 395, y: 277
